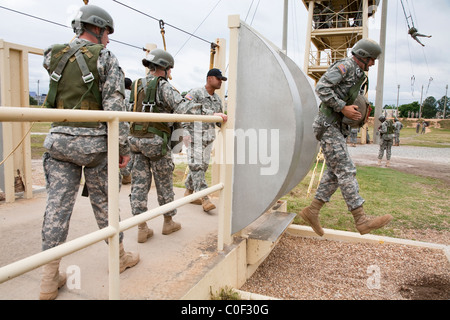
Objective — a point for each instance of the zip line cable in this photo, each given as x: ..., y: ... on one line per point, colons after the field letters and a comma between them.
x: 251, y: 5
x: 170, y: 25
x: 254, y: 13
x: 190, y: 36
x: 63, y: 25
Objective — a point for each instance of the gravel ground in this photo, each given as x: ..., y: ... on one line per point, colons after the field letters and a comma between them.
x: 315, y: 269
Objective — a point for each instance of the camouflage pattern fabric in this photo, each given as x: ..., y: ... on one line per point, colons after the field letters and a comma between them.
x: 332, y: 88
x: 386, y: 141
x: 148, y: 158
x: 72, y: 150
x: 199, y: 101
x: 398, y: 126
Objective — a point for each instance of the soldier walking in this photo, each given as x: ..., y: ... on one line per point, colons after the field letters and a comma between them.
x: 338, y: 89
x: 200, y: 136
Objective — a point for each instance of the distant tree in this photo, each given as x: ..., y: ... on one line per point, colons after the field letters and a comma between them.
x: 440, y: 106
x: 429, y: 108
x: 404, y: 109
x: 33, y: 101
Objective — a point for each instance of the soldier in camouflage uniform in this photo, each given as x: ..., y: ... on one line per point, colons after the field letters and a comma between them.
x: 126, y: 172
x: 80, y: 146
x: 200, y: 136
x: 340, y: 81
x: 386, y: 141
x: 398, y: 126
x: 151, y: 153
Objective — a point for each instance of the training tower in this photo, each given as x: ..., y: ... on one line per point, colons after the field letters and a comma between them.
x: 333, y: 28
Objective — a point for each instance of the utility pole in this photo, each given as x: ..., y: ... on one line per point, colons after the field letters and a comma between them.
x: 285, y: 26
x: 420, y: 110
x: 445, y: 99
x: 398, y: 93
x: 380, y: 76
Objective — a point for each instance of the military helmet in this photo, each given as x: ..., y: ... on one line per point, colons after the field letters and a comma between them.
x: 161, y: 58
x: 382, y: 118
x: 364, y: 108
x: 367, y: 48
x: 93, y: 15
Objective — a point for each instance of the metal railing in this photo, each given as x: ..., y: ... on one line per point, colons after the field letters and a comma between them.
x: 17, y: 114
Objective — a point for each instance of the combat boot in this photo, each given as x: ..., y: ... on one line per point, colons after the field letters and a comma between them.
x: 144, y: 232
x: 188, y: 192
x: 365, y: 224
x: 311, y: 215
x: 207, y: 204
x: 51, y: 280
x: 379, y: 162
x: 126, y: 179
x: 388, y: 163
x: 127, y: 259
x: 170, y: 226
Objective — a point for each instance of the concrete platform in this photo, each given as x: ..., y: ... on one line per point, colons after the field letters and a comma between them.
x: 169, y: 266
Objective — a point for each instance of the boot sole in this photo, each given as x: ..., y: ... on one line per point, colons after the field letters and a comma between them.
x: 171, y: 231
x: 306, y: 218
x: 130, y: 265
x: 143, y: 240
x: 381, y: 226
x: 54, y: 294
x: 209, y: 208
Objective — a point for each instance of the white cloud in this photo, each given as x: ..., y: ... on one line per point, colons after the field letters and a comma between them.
x: 404, y: 57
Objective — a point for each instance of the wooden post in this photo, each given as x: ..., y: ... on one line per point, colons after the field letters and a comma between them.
x: 219, y: 63
x: 14, y: 92
x: 227, y: 141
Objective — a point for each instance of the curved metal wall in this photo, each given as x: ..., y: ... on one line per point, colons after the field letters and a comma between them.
x: 274, y: 145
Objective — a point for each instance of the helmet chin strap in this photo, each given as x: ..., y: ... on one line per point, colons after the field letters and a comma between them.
x: 98, y: 36
x: 364, y: 61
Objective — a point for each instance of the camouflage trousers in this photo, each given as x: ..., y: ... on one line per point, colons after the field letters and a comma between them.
x: 397, y: 138
x: 149, y: 162
x: 340, y: 171
x: 198, y: 161
x: 64, y: 164
x: 385, y: 145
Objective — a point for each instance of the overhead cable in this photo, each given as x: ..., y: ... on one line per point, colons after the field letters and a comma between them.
x: 165, y: 23
x: 63, y: 25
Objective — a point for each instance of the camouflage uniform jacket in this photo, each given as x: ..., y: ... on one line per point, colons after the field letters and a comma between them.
x: 334, y: 86
x: 167, y: 97
x: 199, y: 101
x: 384, y: 131
x: 112, y: 87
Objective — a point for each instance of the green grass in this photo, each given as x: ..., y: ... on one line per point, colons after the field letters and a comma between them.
x: 179, y: 172
x: 415, y: 202
x: 435, y: 138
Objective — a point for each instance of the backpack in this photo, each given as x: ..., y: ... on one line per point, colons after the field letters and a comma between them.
x: 390, y: 127
x: 143, y: 99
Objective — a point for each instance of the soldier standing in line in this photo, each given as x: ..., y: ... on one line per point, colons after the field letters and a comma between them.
x: 200, y: 136
x: 92, y: 81
x: 386, y: 139
x: 150, y: 142
x: 338, y: 89
x: 397, y: 126
x: 126, y: 172
x: 424, y: 126
x: 353, y: 136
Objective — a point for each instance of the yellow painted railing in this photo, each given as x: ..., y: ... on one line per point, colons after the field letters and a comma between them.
x: 18, y: 114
